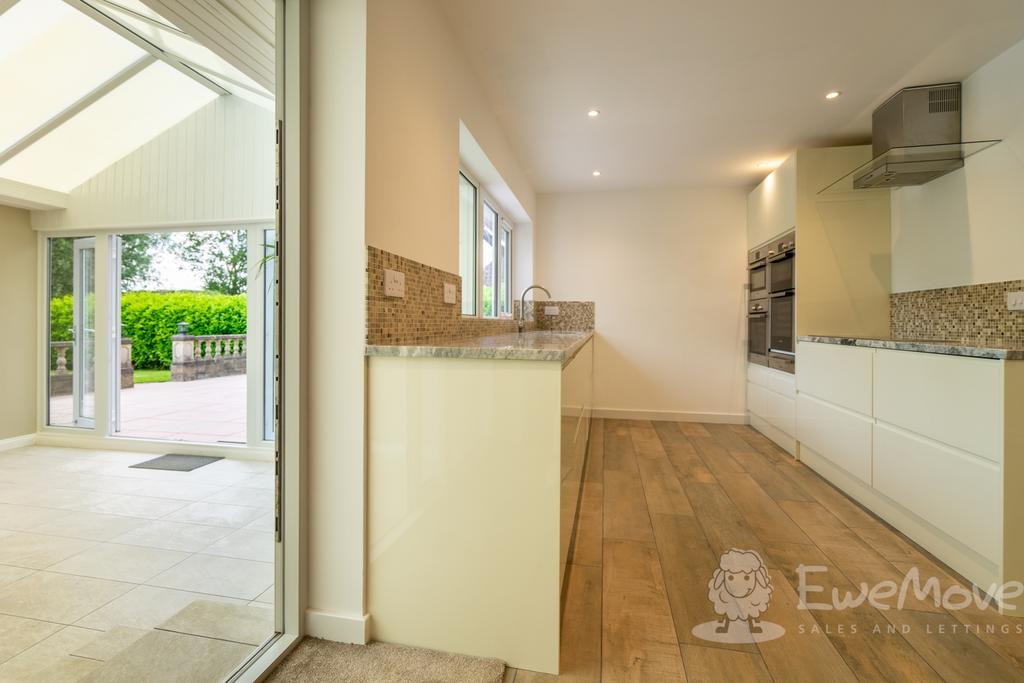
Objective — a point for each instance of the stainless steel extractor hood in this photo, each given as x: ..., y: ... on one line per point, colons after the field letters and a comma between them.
x: 923, y: 125
x: 915, y: 138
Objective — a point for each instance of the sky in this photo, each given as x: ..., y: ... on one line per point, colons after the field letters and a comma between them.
x: 173, y: 273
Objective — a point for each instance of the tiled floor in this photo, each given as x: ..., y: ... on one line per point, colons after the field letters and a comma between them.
x: 109, y: 573
x: 206, y: 410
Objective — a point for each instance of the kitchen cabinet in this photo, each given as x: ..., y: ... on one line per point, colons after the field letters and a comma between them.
x: 474, y: 473
x: 771, y: 405
x: 771, y: 206
x: 932, y: 443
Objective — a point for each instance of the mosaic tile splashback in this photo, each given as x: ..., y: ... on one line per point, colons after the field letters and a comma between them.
x: 573, y: 316
x: 974, y: 314
x: 422, y: 315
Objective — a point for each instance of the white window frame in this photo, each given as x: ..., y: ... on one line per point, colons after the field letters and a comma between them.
x: 483, y: 198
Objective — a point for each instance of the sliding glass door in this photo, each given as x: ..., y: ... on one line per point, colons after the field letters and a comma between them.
x: 83, y: 332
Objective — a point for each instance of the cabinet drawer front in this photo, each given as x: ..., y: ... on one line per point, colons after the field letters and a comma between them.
x: 837, y: 374
x: 757, y: 399
x: 840, y: 436
x: 956, y: 492
x: 958, y: 401
x: 780, y: 382
x: 781, y: 413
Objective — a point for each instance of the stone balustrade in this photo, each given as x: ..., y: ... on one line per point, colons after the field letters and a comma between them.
x: 217, y: 355
x: 62, y: 366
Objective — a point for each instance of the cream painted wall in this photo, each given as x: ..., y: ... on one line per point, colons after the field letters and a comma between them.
x: 667, y: 271
x: 419, y: 86
x: 18, y: 302
x: 967, y: 227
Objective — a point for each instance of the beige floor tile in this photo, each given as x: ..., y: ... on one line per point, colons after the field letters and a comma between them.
x: 174, y: 536
x: 164, y: 657
x: 17, y: 634
x: 264, y: 523
x: 90, y: 526
x: 116, y: 562
x: 217, y: 514
x: 144, y: 607
x: 184, y: 490
x: 136, y: 506
x: 50, y: 661
x: 24, y: 517
x: 238, y: 495
x: 245, y: 544
x: 266, y: 597
x: 110, y: 643
x: 10, y: 574
x: 59, y: 598
x: 251, y: 624
x: 37, y: 551
x: 258, y: 481
x: 228, y: 577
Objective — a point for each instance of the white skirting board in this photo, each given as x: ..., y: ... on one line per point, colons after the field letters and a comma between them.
x: 670, y: 416
x: 17, y: 442
x: 341, y: 628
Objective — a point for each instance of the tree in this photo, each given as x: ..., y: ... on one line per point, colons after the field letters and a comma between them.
x: 138, y: 253
x: 220, y: 258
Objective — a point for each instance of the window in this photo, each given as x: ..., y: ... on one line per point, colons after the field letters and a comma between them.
x: 485, y: 253
x: 467, y: 243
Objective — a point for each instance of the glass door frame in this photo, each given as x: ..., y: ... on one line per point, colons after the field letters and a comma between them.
x: 84, y: 351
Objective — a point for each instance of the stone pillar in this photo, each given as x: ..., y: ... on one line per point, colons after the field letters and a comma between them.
x: 183, y: 365
x: 127, y: 369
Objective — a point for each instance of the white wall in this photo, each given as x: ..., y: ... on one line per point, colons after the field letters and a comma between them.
x: 419, y: 87
x: 216, y: 166
x: 666, y: 269
x: 968, y: 227
x: 18, y: 244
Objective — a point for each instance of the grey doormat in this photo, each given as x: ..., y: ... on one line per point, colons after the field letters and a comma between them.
x: 176, y: 462
x: 321, y: 661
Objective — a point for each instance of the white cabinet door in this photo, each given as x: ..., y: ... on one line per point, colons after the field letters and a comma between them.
x: 956, y: 492
x: 771, y: 207
x: 837, y: 374
x: 838, y: 435
x: 958, y: 401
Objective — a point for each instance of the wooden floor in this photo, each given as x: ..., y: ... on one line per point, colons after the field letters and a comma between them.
x: 662, y: 501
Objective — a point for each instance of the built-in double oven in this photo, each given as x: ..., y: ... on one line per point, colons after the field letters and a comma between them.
x: 771, y: 307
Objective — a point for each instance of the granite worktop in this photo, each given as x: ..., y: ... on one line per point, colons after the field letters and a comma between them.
x: 535, y: 345
x: 924, y: 346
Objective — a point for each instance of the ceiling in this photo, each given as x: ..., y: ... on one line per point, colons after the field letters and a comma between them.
x: 697, y: 93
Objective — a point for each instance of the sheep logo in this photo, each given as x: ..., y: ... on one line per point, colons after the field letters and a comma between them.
x: 740, y: 591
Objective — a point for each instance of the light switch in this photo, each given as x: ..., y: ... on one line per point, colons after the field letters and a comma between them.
x: 552, y: 310
x: 394, y: 283
x: 449, y: 293
x: 1015, y: 301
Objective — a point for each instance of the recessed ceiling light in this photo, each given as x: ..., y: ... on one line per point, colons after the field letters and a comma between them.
x: 594, y: 113
x: 596, y: 173
x: 832, y: 95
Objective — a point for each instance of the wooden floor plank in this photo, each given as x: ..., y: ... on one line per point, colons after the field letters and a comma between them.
x: 761, y: 443
x: 954, y: 653
x: 638, y: 636
x: 851, y: 514
x: 768, y: 521
x: 723, y: 524
x: 618, y: 454
x: 725, y: 435
x: 770, y: 479
x: 801, y: 654
x: 580, y: 659
x: 717, y: 457
x: 594, y: 472
x: 715, y: 665
x: 688, y: 563
x: 590, y: 527
x: 625, y: 508
x: 683, y: 454
x: 694, y: 430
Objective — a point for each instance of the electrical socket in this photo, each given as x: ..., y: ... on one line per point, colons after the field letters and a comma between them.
x: 1015, y: 301
x: 552, y: 310
x: 449, y: 293
x: 394, y: 283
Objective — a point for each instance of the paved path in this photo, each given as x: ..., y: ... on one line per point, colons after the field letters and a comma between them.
x: 207, y: 410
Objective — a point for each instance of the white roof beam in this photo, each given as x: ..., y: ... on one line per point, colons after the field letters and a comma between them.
x: 75, y: 107
x: 33, y: 197
x: 6, y: 5
x: 159, y: 53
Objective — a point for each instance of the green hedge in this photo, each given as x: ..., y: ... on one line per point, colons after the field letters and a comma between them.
x: 150, y: 319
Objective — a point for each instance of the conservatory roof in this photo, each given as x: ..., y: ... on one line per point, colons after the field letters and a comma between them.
x: 85, y: 82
